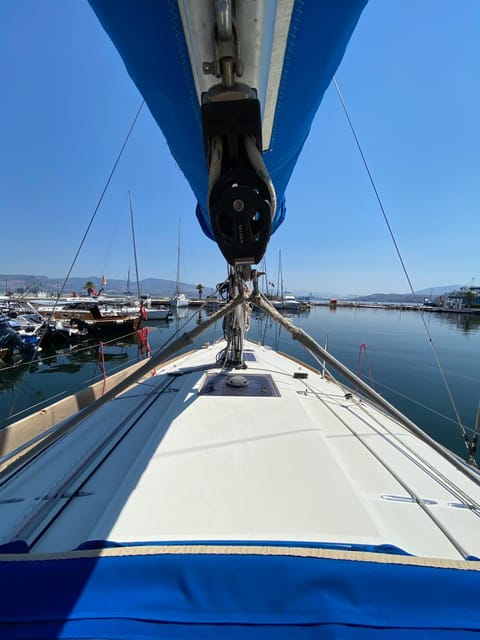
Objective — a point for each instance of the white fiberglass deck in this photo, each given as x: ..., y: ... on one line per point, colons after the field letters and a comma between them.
x: 306, y: 465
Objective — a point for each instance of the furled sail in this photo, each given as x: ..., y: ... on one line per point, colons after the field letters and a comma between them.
x: 289, y: 51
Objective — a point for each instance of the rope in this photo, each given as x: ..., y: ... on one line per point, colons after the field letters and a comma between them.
x: 475, y: 431
x: 256, y: 160
x: 311, y: 345
x: 388, y: 435
x: 363, y: 347
x: 27, y: 365
x: 216, y: 159
x: 398, y: 393
x: 466, y: 439
x: 421, y: 404
x: 101, y: 357
x: 142, y: 336
x: 236, y: 323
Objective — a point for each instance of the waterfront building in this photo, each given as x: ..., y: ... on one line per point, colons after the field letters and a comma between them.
x: 463, y: 298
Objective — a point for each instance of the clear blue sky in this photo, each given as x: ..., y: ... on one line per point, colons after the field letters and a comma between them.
x: 411, y: 81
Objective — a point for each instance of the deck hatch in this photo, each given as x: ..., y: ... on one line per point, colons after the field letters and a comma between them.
x: 225, y: 384
x: 249, y: 356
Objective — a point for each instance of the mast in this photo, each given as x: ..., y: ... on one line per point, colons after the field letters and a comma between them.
x: 128, y: 281
x: 265, y: 279
x: 280, y: 276
x: 177, y: 289
x: 134, y: 245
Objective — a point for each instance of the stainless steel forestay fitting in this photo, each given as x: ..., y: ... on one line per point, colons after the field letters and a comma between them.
x: 241, y: 197
x: 227, y: 62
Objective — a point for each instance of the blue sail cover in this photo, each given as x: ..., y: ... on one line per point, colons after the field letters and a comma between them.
x: 262, y: 593
x: 149, y: 37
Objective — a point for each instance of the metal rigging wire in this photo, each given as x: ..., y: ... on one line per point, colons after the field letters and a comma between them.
x: 469, y: 444
x: 100, y: 200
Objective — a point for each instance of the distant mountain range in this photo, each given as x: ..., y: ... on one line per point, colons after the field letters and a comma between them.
x: 431, y: 292
x: 20, y: 283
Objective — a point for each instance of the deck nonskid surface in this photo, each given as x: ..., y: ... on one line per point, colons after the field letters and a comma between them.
x: 309, y: 465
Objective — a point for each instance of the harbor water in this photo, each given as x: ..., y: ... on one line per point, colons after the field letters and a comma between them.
x: 390, y: 349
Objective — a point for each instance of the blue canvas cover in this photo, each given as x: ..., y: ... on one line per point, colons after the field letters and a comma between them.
x: 149, y: 37
x: 209, y: 591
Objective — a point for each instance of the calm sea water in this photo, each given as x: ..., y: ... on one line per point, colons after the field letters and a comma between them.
x: 398, y: 361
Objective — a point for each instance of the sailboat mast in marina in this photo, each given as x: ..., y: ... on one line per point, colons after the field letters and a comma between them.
x: 179, y: 299
x: 134, y: 247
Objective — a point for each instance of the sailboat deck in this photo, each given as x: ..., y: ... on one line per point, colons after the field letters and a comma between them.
x: 172, y: 461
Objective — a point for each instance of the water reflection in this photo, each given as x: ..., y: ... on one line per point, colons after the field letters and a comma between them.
x: 10, y: 375
x: 14, y: 369
x: 181, y: 312
x: 60, y: 370
x: 70, y: 359
x: 464, y: 322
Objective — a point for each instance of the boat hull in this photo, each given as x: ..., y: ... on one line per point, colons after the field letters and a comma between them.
x: 179, y: 300
x: 154, y: 313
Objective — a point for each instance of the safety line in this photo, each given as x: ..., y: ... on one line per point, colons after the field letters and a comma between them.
x: 468, y: 443
x: 389, y: 469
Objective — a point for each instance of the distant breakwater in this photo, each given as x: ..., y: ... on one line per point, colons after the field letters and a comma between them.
x: 395, y: 306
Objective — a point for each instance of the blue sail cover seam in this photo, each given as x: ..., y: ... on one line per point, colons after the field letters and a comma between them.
x: 184, y: 59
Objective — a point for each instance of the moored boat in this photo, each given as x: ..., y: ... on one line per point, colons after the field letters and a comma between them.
x: 179, y: 299
x: 158, y: 313
x: 92, y: 315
